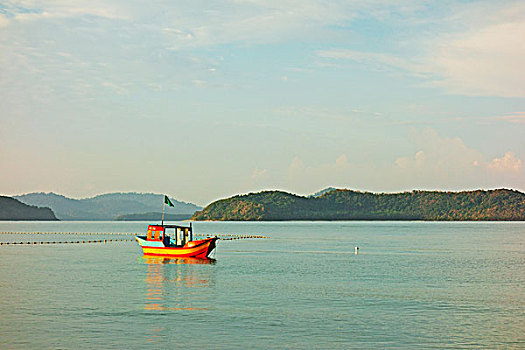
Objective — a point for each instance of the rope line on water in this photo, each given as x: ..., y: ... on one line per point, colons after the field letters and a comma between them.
x: 229, y: 236
x: 103, y: 241
x: 66, y: 242
x: 232, y: 237
x: 67, y: 233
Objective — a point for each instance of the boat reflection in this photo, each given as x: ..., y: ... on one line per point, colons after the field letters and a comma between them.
x: 175, y: 284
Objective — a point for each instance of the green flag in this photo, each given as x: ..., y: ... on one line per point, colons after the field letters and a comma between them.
x: 167, y: 201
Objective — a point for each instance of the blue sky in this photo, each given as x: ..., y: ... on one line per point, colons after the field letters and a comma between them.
x: 207, y: 99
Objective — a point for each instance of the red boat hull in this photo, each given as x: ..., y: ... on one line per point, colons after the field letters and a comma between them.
x: 194, y: 249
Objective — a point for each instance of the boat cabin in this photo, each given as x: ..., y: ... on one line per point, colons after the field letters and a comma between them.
x: 170, y: 235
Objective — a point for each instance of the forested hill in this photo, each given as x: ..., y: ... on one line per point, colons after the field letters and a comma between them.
x: 478, y: 205
x: 12, y: 209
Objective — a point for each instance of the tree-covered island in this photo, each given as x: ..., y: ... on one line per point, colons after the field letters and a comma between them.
x: 339, y: 204
x: 12, y: 209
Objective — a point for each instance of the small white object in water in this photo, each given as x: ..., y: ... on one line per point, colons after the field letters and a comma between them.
x: 356, y: 250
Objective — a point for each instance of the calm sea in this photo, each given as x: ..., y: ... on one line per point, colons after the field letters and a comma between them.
x: 413, y: 285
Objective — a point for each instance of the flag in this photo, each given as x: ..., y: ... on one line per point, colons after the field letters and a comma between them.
x: 167, y: 201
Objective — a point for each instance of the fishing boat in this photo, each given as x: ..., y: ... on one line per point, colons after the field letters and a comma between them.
x: 175, y: 241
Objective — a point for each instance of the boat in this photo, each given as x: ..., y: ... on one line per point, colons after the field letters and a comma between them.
x: 175, y: 241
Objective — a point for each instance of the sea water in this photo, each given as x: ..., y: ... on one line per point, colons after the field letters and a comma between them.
x: 411, y: 285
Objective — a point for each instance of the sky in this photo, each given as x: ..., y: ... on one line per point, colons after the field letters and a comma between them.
x: 206, y: 99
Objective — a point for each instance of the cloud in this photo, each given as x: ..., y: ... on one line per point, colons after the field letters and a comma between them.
x: 516, y: 117
x: 249, y: 22
x: 259, y: 174
x: 329, y: 114
x: 217, y: 22
x: 35, y: 11
x: 440, y: 163
x: 485, y: 58
x: 373, y: 60
x: 258, y: 180
x: 341, y: 162
x: 509, y: 162
x: 487, y: 61
x: 59, y: 60
x: 418, y: 161
x: 306, y: 178
x: 482, y: 59
x: 448, y: 163
x: 296, y: 168
x: 4, y: 21
x: 439, y: 153
x: 119, y: 89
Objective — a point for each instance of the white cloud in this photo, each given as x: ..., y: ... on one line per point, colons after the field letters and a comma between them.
x: 448, y: 163
x: 482, y: 59
x: 485, y: 58
x: 119, y: 89
x: 259, y: 174
x: 516, y: 117
x: 418, y: 161
x: 373, y: 60
x: 218, y: 22
x: 439, y: 163
x: 509, y: 162
x: 306, y: 178
x: 4, y: 21
x: 50, y: 10
x: 487, y: 61
x: 58, y: 61
x: 249, y: 22
x: 329, y: 114
x: 296, y: 168
x: 341, y: 162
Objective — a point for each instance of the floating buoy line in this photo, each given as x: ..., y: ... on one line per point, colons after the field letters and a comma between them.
x: 67, y: 233
x: 225, y: 237
x: 66, y: 242
x: 231, y: 237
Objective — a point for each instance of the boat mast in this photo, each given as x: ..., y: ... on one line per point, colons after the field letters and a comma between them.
x: 163, y: 206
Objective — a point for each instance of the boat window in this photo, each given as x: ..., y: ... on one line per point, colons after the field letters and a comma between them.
x: 170, y: 232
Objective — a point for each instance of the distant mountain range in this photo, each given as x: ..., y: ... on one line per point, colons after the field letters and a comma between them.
x: 12, y: 209
x: 340, y: 204
x: 153, y: 217
x: 106, y: 206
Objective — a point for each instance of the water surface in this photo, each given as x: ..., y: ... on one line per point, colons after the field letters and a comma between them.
x: 412, y: 285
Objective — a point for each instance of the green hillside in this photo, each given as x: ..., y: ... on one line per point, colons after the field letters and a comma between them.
x: 492, y: 205
x: 12, y: 209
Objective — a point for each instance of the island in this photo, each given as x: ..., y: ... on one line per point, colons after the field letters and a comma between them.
x: 12, y: 209
x: 343, y: 204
